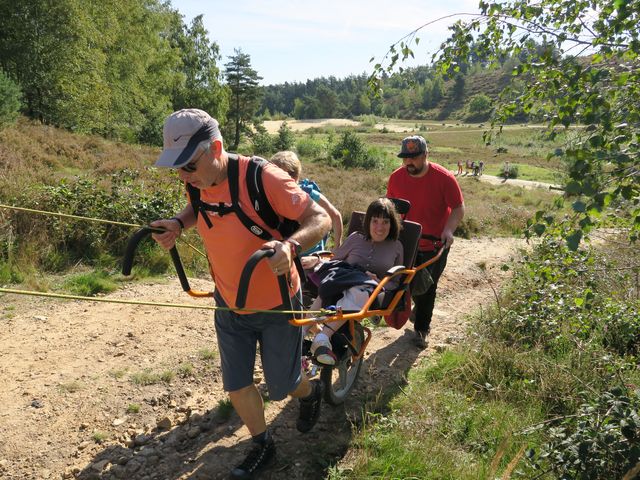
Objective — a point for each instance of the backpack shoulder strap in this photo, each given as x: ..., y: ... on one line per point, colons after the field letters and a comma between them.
x: 196, y: 203
x: 194, y: 197
x: 259, y: 201
x: 257, y: 195
x: 233, y: 173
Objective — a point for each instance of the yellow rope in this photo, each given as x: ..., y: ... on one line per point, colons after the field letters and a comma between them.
x: 131, y: 302
x: 90, y: 219
x: 152, y: 304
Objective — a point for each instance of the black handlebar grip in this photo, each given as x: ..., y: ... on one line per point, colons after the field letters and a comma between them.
x: 179, y: 270
x: 247, y: 271
x: 132, y: 244
x: 284, y: 291
x: 402, y: 206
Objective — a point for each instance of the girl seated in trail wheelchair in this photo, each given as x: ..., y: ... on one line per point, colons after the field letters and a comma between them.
x: 348, y: 279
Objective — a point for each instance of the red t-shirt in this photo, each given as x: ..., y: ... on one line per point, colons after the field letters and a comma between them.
x: 432, y: 198
x: 229, y: 244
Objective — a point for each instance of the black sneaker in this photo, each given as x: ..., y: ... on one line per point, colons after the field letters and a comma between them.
x: 259, y: 457
x: 421, y: 339
x: 310, y: 408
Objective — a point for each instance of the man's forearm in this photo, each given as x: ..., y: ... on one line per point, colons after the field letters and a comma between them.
x: 456, y: 216
x: 313, y: 226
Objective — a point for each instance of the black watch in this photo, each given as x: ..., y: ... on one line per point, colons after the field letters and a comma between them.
x: 296, y: 248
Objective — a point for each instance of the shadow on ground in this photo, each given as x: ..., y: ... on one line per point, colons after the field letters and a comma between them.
x: 209, y: 445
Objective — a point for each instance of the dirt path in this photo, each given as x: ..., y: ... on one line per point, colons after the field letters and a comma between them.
x: 528, y: 184
x: 272, y: 126
x: 72, y: 374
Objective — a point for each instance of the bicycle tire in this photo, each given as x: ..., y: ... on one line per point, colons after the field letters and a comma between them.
x: 340, y: 378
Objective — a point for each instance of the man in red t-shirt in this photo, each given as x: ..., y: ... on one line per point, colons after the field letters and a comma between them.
x: 437, y: 205
x: 193, y: 146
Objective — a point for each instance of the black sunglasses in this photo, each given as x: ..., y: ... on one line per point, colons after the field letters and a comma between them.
x: 192, y: 165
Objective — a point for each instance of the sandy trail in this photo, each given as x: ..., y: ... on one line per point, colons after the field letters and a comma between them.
x: 73, y: 372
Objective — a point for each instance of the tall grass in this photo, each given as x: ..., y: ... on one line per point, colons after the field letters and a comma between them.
x: 537, y: 390
x: 50, y: 169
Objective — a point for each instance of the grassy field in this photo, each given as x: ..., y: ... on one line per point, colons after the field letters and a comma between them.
x: 526, y: 146
x: 51, y: 169
x: 491, y: 209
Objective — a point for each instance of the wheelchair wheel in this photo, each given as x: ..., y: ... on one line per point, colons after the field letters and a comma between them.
x: 340, y: 378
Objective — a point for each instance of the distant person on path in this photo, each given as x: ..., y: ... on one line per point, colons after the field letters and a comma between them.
x: 506, y: 169
x: 290, y: 163
x: 467, y: 167
x: 459, y: 172
x: 437, y: 204
x: 474, y: 168
x: 193, y: 145
x: 480, y: 167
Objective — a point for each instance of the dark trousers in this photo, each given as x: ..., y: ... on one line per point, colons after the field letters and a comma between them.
x: 423, y: 304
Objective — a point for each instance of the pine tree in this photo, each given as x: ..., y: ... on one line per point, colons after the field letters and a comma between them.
x: 242, y: 80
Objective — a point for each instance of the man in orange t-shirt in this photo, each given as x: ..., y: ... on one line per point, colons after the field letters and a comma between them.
x: 193, y: 146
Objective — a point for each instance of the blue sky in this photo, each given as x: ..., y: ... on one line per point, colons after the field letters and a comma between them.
x: 297, y: 40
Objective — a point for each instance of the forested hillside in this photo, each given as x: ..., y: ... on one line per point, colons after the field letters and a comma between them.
x: 414, y: 93
x: 114, y: 67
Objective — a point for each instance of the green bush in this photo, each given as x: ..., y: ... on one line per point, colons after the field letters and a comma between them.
x: 350, y: 152
x: 602, y: 440
x: 10, y: 99
x: 620, y: 327
x: 565, y: 302
x: 367, y: 120
x: 285, y: 139
x: 59, y: 242
x: 467, y: 228
x: 479, y: 104
x: 90, y: 284
x: 510, y: 171
x: 9, y: 273
x: 263, y: 143
x: 311, y: 147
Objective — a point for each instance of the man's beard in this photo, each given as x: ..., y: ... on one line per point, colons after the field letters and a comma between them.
x: 413, y: 170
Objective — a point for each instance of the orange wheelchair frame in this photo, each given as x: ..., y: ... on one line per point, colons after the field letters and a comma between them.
x: 340, y: 378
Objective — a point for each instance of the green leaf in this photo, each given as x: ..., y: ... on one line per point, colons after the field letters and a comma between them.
x: 573, y: 240
x: 539, y: 228
x: 573, y: 188
x: 579, y: 206
x: 596, y: 141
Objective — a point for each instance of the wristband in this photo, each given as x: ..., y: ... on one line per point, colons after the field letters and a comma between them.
x: 179, y: 222
x: 295, y: 246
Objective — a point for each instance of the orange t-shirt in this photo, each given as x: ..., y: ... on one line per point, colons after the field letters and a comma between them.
x: 229, y: 244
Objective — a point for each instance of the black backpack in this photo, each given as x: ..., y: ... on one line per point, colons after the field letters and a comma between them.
x: 258, y: 197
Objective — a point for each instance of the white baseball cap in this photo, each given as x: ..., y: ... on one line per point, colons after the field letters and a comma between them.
x: 183, y: 132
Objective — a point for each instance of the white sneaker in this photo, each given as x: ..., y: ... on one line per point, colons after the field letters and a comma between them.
x: 322, y: 352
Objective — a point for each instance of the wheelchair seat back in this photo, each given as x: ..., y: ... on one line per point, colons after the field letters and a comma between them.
x: 409, y: 236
